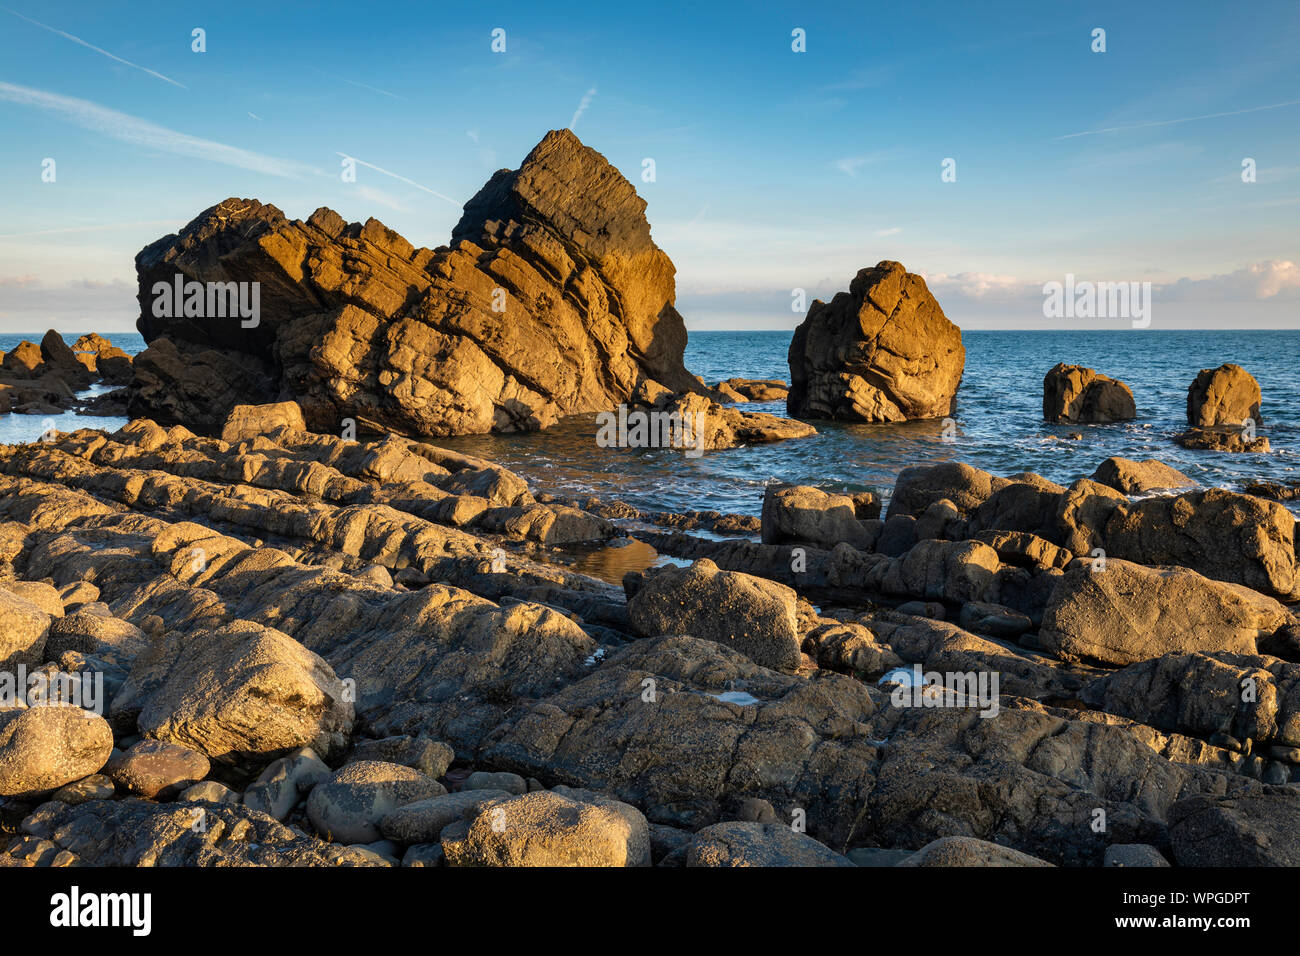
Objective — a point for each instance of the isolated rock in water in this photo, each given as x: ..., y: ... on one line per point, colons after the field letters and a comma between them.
x: 1128, y: 613
x: 42, y: 748
x: 1227, y: 395
x: 1256, y: 829
x: 109, y: 362
x: 881, y: 352
x: 1076, y: 395
x: 797, y: 513
x: 738, y: 843
x: 757, y: 389
x: 552, y: 299
x: 562, y: 827
x: 62, y: 361
x: 249, y: 421
x: 1136, y: 477
x: 24, y: 360
x: 707, y: 425
x: 968, y: 851
x: 750, y: 614
x: 242, y: 694
x: 1235, y: 438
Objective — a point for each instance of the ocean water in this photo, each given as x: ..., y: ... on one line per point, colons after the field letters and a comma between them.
x: 999, y: 421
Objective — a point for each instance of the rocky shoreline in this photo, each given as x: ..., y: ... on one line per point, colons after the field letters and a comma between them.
x: 372, y: 653
x: 270, y: 621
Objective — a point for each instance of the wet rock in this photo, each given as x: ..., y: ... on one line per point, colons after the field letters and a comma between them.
x: 1129, y: 613
x: 43, y: 748
x: 1076, y: 395
x: 881, y: 352
x: 157, y: 769
x: 550, y: 828
x: 1137, y: 477
x: 1230, y: 438
x: 742, y: 843
x: 757, y: 389
x: 754, y: 615
x: 1227, y: 395
x: 711, y: 426
x: 348, y: 807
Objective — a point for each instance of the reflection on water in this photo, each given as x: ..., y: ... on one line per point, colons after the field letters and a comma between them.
x: 618, y: 558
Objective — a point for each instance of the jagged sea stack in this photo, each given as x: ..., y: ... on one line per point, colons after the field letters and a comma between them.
x: 881, y: 352
x: 551, y: 300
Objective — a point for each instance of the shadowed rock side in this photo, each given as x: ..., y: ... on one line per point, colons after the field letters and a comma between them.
x: 1073, y: 395
x: 552, y: 299
x: 881, y: 352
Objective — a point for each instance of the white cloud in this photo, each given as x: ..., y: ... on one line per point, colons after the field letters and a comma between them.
x: 140, y: 132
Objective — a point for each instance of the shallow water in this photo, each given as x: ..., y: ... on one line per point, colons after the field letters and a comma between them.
x: 999, y: 426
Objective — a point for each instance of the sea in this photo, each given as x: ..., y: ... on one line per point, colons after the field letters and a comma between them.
x: 999, y: 425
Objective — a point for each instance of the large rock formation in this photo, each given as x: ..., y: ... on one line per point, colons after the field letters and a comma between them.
x: 551, y: 300
x: 1076, y: 395
x: 881, y: 352
x: 1227, y: 395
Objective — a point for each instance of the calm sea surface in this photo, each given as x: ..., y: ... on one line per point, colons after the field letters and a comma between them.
x: 999, y: 421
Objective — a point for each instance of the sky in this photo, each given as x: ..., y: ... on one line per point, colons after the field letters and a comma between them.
x: 775, y: 170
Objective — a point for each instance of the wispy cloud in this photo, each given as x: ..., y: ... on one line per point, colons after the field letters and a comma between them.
x: 256, y: 117
x: 401, y: 179
x: 375, y: 89
x: 140, y: 132
x: 893, y: 231
x: 380, y: 197
x: 582, y: 107
x: 1174, y: 122
x: 91, y: 46
x: 167, y: 223
x: 851, y: 164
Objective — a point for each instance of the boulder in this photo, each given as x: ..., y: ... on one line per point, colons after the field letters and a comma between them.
x: 1076, y: 395
x: 967, y: 851
x: 43, y: 748
x: 241, y: 694
x: 1227, y: 395
x: 249, y: 421
x: 1128, y: 612
x: 799, y: 514
x: 881, y: 352
x: 424, y: 820
x: 751, y: 614
x: 430, y: 757
x: 552, y: 299
x: 757, y: 389
x: 1253, y: 829
x: 24, y: 629
x: 1230, y: 438
x: 920, y: 486
x: 285, y: 782
x: 347, y: 808
x: 60, y: 360
x: 157, y: 769
x: 740, y: 843
x: 1138, y: 477
x: 559, y: 827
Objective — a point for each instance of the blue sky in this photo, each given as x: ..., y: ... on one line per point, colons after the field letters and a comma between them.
x: 775, y: 170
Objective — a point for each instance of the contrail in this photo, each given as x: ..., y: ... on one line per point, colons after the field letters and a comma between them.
x: 409, y: 182
x: 103, y: 228
x: 374, y: 89
x: 1172, y: 122
x: 91, y: 46
x: 132, y: 129
x: 582, y: 107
